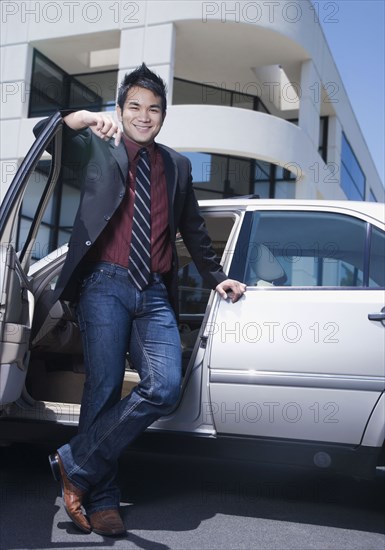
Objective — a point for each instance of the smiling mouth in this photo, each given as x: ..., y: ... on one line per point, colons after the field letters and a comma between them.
x: 142, y: 127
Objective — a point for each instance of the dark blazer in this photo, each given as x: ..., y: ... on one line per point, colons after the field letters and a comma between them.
x: 101, y: 170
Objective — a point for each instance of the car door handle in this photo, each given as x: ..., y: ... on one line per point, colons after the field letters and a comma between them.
x: 377, y: 316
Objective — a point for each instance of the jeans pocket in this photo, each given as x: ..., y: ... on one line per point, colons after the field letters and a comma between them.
x: 90, y: 280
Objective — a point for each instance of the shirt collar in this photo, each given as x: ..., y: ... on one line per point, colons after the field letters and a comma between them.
x: 133, y: 149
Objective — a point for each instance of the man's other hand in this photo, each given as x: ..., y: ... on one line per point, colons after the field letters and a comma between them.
x: 231, y: 289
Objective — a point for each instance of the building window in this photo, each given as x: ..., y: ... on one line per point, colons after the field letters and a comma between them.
x: 186, y: 92
x: 220, y: 176
x: 53, y: 89
x: 352, y: 177
x: 94, y: 91
x: 48, y: 87
x: 323, y: 138
x: 372, y: 196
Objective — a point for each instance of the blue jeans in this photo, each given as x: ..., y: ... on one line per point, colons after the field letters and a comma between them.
x: 115, y: 318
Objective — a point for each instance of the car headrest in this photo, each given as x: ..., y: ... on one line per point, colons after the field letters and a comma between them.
x: 266, y: 267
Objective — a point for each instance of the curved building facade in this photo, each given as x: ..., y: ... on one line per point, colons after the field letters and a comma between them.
x: 255, y: 99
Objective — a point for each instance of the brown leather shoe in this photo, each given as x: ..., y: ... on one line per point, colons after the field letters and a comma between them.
x: 107, y: 523
x: 72, y: 495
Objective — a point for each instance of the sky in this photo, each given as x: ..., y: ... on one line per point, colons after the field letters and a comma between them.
x: 355, y: 33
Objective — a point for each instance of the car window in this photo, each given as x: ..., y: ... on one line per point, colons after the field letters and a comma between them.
x: 307, y: 249
x: 34, y: 191
x: 56, y: 224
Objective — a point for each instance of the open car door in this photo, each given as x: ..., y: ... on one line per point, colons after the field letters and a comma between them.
x: 19, y: 236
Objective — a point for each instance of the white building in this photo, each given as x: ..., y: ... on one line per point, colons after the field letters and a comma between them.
x: 255, y: 98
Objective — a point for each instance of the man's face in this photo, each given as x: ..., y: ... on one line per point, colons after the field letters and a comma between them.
x: 142, y: 116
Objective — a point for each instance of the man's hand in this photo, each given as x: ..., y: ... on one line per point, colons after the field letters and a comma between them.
x: 231, y: 289
x: 101, y: 124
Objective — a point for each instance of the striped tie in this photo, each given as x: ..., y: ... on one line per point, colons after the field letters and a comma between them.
x: 139, y: 265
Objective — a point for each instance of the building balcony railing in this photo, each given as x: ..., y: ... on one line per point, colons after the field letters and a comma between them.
x: 241, y: 132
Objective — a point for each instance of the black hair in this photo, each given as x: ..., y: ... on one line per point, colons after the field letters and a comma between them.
x: 142, y: 77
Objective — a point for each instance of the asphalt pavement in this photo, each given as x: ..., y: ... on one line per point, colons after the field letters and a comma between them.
x: 196, y: 504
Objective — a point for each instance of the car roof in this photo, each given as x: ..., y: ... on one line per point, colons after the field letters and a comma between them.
x: 373, y: 210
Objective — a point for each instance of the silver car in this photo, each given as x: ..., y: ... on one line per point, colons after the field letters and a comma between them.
x: 293, y: 373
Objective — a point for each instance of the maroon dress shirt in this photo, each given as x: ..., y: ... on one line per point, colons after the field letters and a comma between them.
x: 113, y: 244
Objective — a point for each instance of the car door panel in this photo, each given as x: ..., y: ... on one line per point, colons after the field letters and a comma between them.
x: 291, y: 413
x: 278, y: 372
x: 305, y: 331
x: 17, y: 305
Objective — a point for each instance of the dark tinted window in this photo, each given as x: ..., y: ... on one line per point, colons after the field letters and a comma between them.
x: 53, y: 89
x: 306, y: 249
x: 221, y: 176
x: 56, y: 224
x: 352, y: 176
x: 48, y: 87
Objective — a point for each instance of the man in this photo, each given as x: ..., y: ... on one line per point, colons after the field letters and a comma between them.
x: 135, y: 195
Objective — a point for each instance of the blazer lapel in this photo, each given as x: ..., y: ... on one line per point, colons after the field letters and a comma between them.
x: 120, y: 155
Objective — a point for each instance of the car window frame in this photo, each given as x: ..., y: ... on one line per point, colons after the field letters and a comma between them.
x: 49, y: 138
x: 238, y: 268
